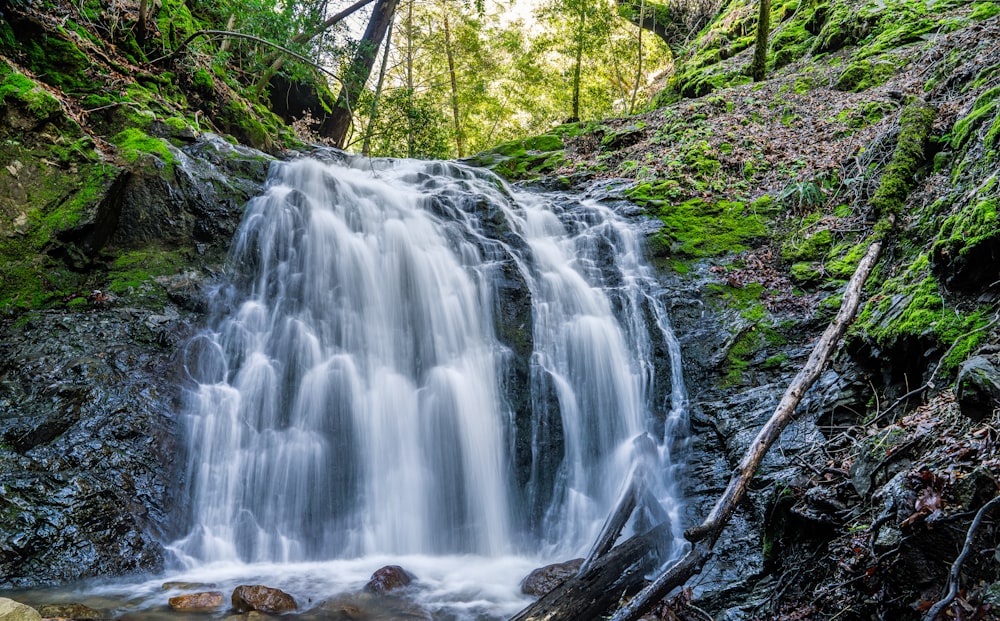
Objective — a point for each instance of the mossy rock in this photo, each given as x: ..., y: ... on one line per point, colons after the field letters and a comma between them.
x: 865, y: 74
x: 966, y: 254
x: 697, y: 228
x: 525, y: 159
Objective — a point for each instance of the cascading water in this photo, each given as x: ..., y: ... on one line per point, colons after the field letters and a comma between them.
x: 411, y: 359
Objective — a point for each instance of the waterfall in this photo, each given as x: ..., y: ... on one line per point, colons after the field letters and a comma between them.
x: 412, y: 358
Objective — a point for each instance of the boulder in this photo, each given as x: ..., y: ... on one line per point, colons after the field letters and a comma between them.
x: 15, y: 611
x: 388, y: 578
x: 544, y: 579
x: 77, y: 612
x: 978, y: 389
x: 265, y: 599
x: 193, y: 602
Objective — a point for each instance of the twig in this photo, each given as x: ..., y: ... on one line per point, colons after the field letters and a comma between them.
x: 956, y: 567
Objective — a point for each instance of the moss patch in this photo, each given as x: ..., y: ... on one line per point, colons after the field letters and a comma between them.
x: 698, y: 228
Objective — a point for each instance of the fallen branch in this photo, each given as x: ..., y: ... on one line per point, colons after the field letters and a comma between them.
x: 915, y: 125
x: 956, y: 567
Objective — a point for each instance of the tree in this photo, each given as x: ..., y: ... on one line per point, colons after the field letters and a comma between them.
x: 759, y: 66
x: 359, y: 69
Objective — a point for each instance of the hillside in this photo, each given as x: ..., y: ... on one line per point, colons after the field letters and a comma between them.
x: 118, y: 199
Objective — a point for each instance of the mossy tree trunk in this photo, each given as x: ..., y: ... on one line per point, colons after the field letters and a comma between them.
x: 759, y: 67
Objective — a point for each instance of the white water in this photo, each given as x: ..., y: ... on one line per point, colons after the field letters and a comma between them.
x: 352, y: 398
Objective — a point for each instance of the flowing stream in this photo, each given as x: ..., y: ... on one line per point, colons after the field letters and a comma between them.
x: 413, y: 363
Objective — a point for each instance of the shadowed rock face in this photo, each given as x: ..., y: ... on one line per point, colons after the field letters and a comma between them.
x: 88, y: 454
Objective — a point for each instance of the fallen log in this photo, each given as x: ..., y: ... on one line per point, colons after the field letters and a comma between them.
x: 577, y: 599
x: 612, y: 577
x: 915, y: 123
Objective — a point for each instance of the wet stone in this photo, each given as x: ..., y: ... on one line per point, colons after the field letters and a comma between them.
x: 388, y: 578
x: 544, y: 579
x: 262, y: 598
x: 191, y: 602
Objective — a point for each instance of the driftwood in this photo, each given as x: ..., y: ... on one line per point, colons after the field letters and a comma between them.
x: 609, y: 573
x: 615, y: 575
x: 704, y: 536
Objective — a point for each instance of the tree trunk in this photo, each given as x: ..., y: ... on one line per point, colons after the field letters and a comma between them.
x: 409, y: 78
x: 592, y: 593
x: 276, y: 61
x: 359, y: 70
x: 378, y: 91
x: 759, y: 66
x: 575, y: 115
x: 638, y: 71
x: 459, y: 139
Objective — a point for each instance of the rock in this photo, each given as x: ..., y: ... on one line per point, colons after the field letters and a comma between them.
x: 262, y: 598
x: 77, y: 612
x: 192, y: 602
x: 544, y: 579
x: 388, y: 578
x: 978, y: 390
x: 15, y: 611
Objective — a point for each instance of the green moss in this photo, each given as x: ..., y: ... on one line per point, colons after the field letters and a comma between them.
x: 843, y: 264
x: 17, y: 86
x: 135, y: 272
x: 527, y: 158
x: 866, y: 114
x: 202, y: 80
x: 807, y: 248
x: 964, y: 231
x: 59, y: 62
x: 984, y: 107
x: 738, y: 358
x: 806, y: 272
x: 865, y: 74
x: 697, y: 228
x: 914, y: 128
x: 985, y: 10
x: 134, y: 143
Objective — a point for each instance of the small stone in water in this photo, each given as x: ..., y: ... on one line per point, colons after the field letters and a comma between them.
x: 265, y: 599
x: 207, y: 600
x: 388, y: 578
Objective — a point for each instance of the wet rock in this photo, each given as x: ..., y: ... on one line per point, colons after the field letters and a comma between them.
x: 388, y: 578
x: 978, y: 387
x: 263, y: 598
x: 193, y: 602
x: 87, y: 436
x: 544, y: 579
x: 77, y: 612
x: 253, y: 615
x: 15, y: 611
